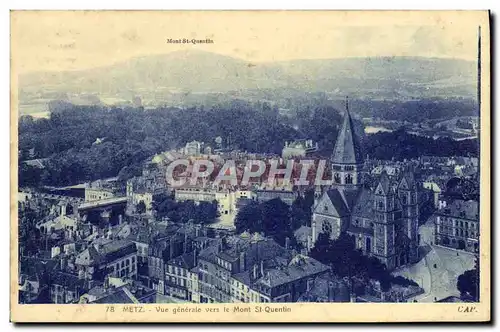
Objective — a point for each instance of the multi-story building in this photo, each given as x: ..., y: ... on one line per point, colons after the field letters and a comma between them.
x: 180, y: 278
x: 457, y: 224
x: 225, y: 198
x: 288, y: 196
x: 299, y: 148
x: 193, y: 148
x: 97, y: 193
x: 66, y: 288
x: 248, y: 268
x: 117, y: 258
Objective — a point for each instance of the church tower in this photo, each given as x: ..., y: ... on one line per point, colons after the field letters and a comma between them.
x: 407, y: 193
x: 347, y: 158
x: 384, y: 223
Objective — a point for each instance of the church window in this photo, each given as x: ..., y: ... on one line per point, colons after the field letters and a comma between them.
x: 325, y: 208
x: 336, y: 178
x: 380, y: 204
x: 348, y: 179
x: 404, y: 199
x: 326, y: 227
x: 368, y: 245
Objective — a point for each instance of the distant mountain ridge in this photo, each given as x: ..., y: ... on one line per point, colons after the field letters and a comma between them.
x: 204, y: 72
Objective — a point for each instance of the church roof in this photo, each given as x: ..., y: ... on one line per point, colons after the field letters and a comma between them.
x: 384, y: 183
x: 407, y: 181
x: 341, y: 209
x: 347, y: 148
x: 364, y: 205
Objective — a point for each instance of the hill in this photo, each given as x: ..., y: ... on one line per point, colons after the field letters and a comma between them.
x: 159, y: 78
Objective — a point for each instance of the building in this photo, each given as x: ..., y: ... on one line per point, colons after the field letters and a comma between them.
x: 299, y: 148
x: 146, y: 188
x: 457, y: 224
x: 104, y: 257
x: 326, y: 288
x: 287, y: 196
x: 193, y: 148
x: 383, y: 218
x: 66, y: 288
x: 226, y: 199
x: 97, y: 193
x: 181, y: 278
x: 253, y: 269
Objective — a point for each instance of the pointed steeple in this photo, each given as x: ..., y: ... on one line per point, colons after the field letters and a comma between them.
x: 347, y: 148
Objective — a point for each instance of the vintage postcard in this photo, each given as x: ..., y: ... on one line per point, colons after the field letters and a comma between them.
x: 250, y: 166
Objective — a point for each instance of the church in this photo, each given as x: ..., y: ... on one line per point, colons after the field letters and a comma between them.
x: 382, y: 218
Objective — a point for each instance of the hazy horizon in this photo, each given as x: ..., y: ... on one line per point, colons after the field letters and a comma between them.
x: 79, y: 40
x: 245, y: 60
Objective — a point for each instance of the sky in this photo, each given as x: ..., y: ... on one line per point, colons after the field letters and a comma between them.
x: 65, y: 40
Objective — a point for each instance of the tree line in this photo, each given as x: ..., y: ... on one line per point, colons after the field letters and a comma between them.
x: 83, y: 143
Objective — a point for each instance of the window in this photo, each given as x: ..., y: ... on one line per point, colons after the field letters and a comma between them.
x: 326, y: 227
x: 336, y: 178
x: 348, y: 179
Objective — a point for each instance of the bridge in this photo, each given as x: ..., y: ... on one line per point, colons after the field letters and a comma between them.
x: 102, y: 203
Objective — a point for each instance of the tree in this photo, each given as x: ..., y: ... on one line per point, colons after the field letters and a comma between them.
x: 301, y: 210
x: 276, y: 218
x: 249, y: 218
x: 141, y: 207
x: 468, y: 282
x: 347, y: 261
x: 207, y: 212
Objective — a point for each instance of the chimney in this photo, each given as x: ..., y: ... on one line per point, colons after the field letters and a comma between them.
x: 195, y: 258
x: 255, y: 273
x: 262, y: 268
x: 242, y: 261
x: 120, y: 219
x: 287, y: 242
x: 63, y: 209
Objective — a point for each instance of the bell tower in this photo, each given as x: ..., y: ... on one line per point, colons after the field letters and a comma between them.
x: 384, y: 223
x: 347, y: 158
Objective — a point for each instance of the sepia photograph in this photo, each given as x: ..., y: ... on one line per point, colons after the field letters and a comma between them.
x: 250, y: 166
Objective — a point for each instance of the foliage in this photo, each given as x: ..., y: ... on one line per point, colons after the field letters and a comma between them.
x: 273, y: 218
x: 401, y: 145
x: 468, y: 284
x: 347, y: 261
x: 302, y: 210
x: 85, y: 143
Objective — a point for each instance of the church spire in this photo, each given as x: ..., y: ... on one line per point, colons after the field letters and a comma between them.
x: 347, y: 148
